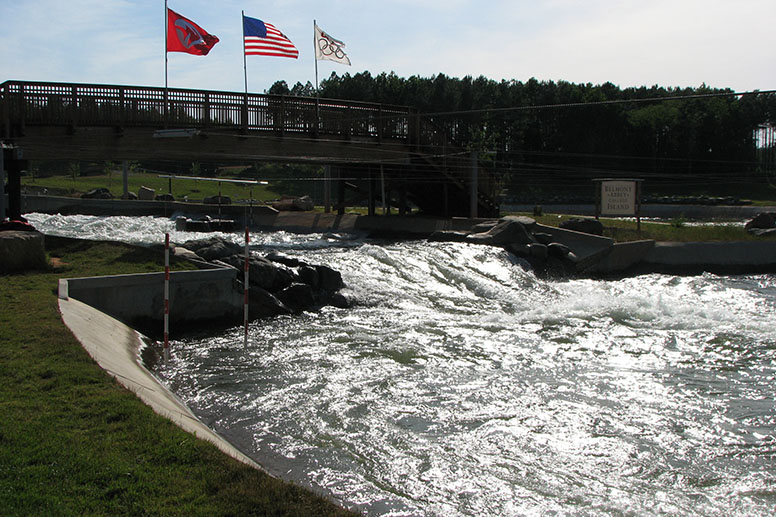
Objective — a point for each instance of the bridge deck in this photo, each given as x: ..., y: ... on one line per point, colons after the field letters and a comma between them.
x: 115, y: 122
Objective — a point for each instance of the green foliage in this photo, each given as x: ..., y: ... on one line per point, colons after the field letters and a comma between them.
x: 562, y: 134
x: 194, y: 190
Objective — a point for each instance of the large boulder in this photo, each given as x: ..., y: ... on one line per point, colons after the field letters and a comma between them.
x: 214, y: 248
x: 294, y: 204
x: 297, y: 297
x: 330, y: 280
x: 263, y: 304
x: 508, y: 230
x: 583, y: 225
x: 146, y: 194
x: 98, y: 193
x: 763, y: 221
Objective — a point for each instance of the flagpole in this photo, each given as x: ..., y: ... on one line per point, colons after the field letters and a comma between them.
x: 166, y: 30
x: 315, y: 56
x: 245, y: 72
x: 317, y: 93
x: 245, y: 61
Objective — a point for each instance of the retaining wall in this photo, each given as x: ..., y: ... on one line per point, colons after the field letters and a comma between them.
x: 196, y: 297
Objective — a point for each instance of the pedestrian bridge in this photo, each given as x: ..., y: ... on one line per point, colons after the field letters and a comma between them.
x: 411, y: 157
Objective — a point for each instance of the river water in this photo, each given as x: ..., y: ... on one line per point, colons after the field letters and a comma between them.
x: 461, y: 384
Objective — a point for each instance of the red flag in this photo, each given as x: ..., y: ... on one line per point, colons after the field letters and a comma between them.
x: 183, y: 35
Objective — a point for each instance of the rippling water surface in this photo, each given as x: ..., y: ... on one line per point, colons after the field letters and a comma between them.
x: 460, y: 384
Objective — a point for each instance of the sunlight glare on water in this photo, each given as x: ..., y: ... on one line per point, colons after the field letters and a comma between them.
x: 461, y: 384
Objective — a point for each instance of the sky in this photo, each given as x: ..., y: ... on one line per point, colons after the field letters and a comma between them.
x: 672, y: 43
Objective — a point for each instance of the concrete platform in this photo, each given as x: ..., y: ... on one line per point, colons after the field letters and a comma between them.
x: 21, y: 251
x: 116, y: 348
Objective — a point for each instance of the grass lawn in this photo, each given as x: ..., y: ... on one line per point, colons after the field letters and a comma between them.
x: 623, y: 230
x: 195, y: 190
x: 74, y: 442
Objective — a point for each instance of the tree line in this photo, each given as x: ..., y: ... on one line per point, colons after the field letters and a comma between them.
x: 561, y: 133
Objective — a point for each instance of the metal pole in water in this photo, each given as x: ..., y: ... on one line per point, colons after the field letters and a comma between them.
x: 247, y: 282
x: 166, y: 296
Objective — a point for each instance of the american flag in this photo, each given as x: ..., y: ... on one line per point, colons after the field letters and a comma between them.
x: 264, y: 39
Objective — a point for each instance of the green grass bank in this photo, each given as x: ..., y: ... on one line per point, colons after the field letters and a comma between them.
x: 74, y: 442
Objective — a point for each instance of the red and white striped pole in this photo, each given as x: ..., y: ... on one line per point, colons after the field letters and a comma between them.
x: 166, y: 296
x: 247, y: 282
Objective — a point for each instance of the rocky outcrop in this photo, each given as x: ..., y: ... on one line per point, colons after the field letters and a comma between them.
x: 553, y: 252
x: 279, y: 284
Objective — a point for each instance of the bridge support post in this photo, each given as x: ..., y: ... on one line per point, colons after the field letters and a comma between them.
x: 2, y: 182
x: 371, y: 205
x: 125, y: 178
x: 340, y: 192
x: 473, y: 189
x: 327, y: 189
x: 13, y: 165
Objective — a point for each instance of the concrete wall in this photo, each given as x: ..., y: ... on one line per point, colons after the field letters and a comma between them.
x: 196, y: 297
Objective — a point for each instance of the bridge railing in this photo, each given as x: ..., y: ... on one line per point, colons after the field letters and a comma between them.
x: 39, y: 103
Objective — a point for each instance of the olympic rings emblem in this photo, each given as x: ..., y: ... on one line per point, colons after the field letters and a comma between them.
x: 328, y: 47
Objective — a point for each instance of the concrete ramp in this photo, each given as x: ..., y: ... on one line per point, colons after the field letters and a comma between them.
x: 116, y: 348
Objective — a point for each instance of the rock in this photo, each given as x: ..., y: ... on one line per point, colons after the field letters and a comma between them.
x: 480, y: 238
x: 763, y: 220
x: 512, y: 230
x: 213, y: 248
x: 338, y: 300
x: 543, y: 238
x: 309, y: 275
x: 282, y: 258
x: 304, y: 203
x: 448, y: 236
x: 583, y: 225
x: 537, y: 251
x: 129, y: 195
x: 558, y: 250
x: 521, y: 250
x: 330, y: 279
x: 165, y: 197
x: 262, y: 304
x: 98, y: 193
x: 297, y: 297
x: 217, y: 200
x: 528, y: 222
x: 763, y: 232
x: 279, y: 286
x: 21, y: 251
x: 294, y: 204
x: 146, y: 194
x: 184, y: 253
x: 483, y: 227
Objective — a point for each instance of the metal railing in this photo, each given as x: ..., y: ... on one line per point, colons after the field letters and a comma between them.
x: 39, y: 103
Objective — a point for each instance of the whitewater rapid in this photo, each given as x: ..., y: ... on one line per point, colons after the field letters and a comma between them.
x: 461, y: 384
